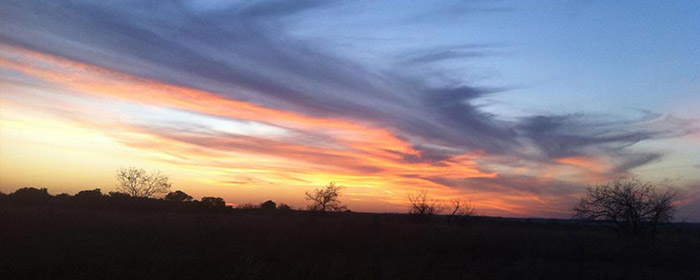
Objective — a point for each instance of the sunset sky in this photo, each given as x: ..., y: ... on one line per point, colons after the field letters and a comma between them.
x: 515, y: 105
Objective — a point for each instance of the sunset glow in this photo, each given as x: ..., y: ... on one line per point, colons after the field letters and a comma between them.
x: 268, y: 117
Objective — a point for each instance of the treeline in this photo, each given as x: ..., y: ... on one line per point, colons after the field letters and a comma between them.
x: 137, y: 188
x: 95, y: 199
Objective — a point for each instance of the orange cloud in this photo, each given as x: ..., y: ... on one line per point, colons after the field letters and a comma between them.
x: 369, y: 160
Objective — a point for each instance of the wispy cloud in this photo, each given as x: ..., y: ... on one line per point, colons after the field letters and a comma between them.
x: 234, y: 79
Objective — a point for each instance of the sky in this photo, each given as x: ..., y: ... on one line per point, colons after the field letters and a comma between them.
x: 517, y: 106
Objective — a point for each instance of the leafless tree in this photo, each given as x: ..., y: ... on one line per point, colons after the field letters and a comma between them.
x: 460, y: 210
x: 138, y: 183
x: 635, y: 207
x: 325, y: 199
x: 461, y: 207
x: 422, y: 205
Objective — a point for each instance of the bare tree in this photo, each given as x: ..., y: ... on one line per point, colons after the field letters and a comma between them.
x: 460, y: 210
x: 461, y: 207
x: 635, y: 207
x: 325, y: 199
x: 138, y: 183
x: 422, y: 205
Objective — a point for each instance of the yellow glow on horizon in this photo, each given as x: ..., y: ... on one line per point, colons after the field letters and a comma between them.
x: 69, y: 146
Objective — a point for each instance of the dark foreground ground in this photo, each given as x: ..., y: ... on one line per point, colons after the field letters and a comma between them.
x: 55, y: 243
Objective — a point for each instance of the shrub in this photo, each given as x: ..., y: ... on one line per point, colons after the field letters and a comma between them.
x: 635, y: 207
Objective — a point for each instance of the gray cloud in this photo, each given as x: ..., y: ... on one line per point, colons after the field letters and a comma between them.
x: 636, y: 160
x: 248, y: 53
x: 228, y: 53
x: 573, y: 135
x: 432, y: 55
x: 511, y: 183
x: 278, y: 8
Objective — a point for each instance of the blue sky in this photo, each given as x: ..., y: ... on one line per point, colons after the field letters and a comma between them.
x: 568, y: 56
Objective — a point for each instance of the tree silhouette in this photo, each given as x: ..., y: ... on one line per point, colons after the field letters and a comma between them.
x: 138, y: 183
x: 422, y: 205
x: 178, y: 196
x: 325, y: 199
x: 461, y: 208
x: 635, y: 207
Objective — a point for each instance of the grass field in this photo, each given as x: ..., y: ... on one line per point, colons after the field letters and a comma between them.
x: 48, y: 242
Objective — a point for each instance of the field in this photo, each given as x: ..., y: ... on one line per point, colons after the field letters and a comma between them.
x: 52, y: 242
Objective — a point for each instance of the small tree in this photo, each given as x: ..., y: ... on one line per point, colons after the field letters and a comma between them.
x: 139, y: 183
x: 178, y: 196
x: 422, y: 205
x: 325, y: 199
x: 460, y: 207
x: 633, y: 206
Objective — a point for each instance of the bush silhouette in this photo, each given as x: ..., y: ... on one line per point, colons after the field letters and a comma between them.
x: 284, y: 207
x: 247, y: 206
x: 178, y: 196
x: 89, y: 195
x: 31, y: 195
x: 63, y: 198
x: 213, y: 202
x: 119, y: 196
x: 268, y: 205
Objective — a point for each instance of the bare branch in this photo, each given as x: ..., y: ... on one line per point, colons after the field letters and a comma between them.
x: 325, y: 199
x: 461, y: 207
x: 632, y: 205
x: 422, y: 205
x: 138, y: 183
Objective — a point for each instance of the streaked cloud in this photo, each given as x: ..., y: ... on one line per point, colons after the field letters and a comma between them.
x: 233, y: 92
